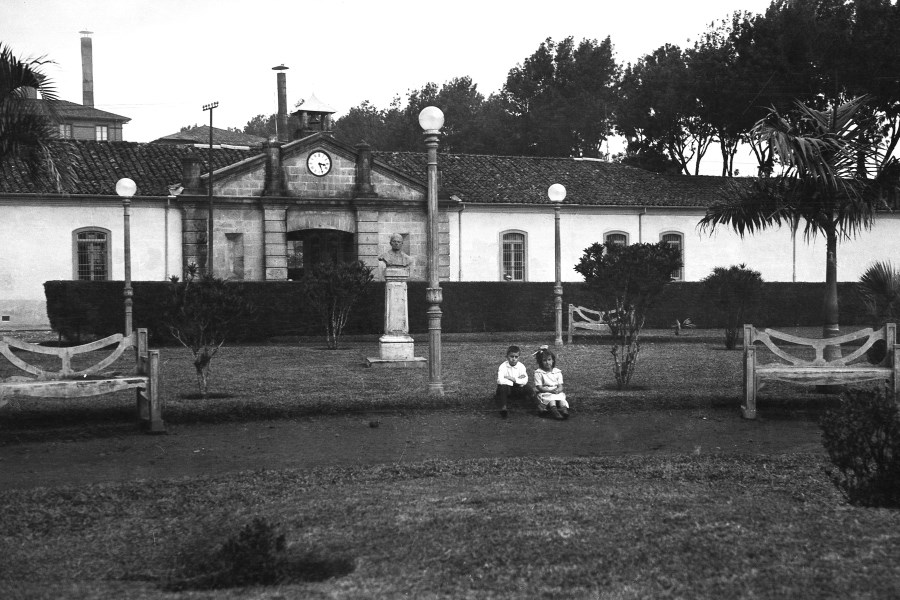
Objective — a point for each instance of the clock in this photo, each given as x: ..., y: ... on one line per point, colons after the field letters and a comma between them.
x: 318, y: 163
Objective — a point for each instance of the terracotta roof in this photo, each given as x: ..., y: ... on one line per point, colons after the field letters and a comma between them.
x: 68, y: 111
x: 71, y: 110
x: 200, y: 135
x: 98, y: 165
x: 473, y: 178
x: 525, y: 179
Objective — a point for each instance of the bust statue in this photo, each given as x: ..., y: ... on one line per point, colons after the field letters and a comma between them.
x: 395, y: 257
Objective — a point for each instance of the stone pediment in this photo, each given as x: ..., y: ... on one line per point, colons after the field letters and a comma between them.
x: 338, y: 182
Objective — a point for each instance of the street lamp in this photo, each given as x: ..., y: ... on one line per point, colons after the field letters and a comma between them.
x: 431, y: 119
x: 209, y: 219
x: 126, y: 188
x: 557, y: 193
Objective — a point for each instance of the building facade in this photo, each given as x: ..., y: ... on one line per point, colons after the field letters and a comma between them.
x: 279, y: 209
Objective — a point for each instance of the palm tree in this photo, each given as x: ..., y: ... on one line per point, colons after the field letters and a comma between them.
x: 834, y: 179
x: 28, y: 125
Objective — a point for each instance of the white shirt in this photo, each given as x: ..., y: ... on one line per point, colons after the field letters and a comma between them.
x: 518, y: 372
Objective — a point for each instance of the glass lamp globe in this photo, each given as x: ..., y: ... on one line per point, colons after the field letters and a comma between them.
x: 126, y: 187
x: 431, y: 118
x: 556, y: 192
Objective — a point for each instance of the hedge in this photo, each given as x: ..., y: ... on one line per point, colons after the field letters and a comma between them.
x: 95, y: 308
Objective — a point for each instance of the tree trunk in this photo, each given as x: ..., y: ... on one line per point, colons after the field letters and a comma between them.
x: 201, y: 364
x: 830, y: 312
x: 830, y: 326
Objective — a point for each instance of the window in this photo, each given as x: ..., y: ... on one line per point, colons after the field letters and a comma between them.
x: 102, y: 133
x: 65, y: 131
x: 91, y: 254
x: 512, y: 261
x: 616, y: 237
x: 676, y: 240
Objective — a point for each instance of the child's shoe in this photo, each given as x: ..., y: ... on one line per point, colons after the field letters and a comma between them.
x: 554, y: 413
x: 504, y: 413
x: 563, y: 410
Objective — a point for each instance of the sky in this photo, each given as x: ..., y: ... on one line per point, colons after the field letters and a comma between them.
x: 159, y: 61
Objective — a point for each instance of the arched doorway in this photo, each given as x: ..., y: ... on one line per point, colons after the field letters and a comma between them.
x: 306, y: 247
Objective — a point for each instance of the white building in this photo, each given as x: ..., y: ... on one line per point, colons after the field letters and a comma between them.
x: 289, y: 204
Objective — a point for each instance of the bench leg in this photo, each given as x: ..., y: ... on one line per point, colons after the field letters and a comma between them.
x: 149, y: 409
x: 748, y: 410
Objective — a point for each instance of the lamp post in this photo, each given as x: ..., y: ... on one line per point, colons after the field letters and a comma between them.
x: 557, y: 193
x: 126, y: 188
x: 209, y: 218
x: 431, y: 119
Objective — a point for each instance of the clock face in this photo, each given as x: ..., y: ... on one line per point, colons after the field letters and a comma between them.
x: 318, y: 163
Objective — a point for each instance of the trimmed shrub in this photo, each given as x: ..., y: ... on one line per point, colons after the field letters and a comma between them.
x: 862, y: 438
x: 733, y: 293
x: 96, y: 307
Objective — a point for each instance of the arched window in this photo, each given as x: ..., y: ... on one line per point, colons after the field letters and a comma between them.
x: 90, y: 254
x: 513, y: 255
x: 676, y: 240
x: 619, y: 238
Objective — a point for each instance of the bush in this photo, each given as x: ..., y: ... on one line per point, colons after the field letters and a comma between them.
x: 332, y: 288
x: 862, y: 438
x: 257, y: 555
x: 201, y: 314
x: 733, y: 292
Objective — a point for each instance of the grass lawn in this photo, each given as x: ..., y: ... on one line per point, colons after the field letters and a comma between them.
x: 625, y: 527
x: 292, y: 380
x: 736, y: 526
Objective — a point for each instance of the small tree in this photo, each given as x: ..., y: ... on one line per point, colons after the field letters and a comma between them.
x: 202, y: 313
x: 628, y: 279
x: 733, y: 291
x: 332, y: 288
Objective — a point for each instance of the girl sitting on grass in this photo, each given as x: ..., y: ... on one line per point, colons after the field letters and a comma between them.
x: 548, y: 383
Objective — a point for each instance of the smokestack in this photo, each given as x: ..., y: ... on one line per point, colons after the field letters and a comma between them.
x: 282, y: 120
x: 87, y: 69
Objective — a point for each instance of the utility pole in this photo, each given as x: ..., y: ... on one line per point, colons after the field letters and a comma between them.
x: 209, y: 218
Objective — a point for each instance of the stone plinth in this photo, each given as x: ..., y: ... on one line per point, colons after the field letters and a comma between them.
x: 396, y: 348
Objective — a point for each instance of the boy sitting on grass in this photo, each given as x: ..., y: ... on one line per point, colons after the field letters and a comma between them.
x: 512, y: 381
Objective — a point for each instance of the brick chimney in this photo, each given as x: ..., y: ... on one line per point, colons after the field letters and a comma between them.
x: 282, y: 119
x: 87, y: 69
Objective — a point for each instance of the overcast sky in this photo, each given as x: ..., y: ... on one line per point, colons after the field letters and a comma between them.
x: 159, y: 61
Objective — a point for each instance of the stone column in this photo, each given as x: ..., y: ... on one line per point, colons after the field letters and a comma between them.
x: 396, y: 347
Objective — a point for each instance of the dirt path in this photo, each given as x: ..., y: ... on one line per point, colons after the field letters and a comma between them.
x: 362, y: 440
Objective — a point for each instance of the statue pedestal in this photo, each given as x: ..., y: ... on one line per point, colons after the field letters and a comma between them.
x: 396, y: 348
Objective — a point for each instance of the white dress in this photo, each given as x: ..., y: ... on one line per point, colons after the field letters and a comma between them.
x: 553, y: 378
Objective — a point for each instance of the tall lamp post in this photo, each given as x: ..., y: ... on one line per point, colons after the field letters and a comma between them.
x: 431, y: 119
x: 557, y: 193
x: 209, y: 217
x: 126, y: 188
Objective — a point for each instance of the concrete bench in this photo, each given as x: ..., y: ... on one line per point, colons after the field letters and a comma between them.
x: 69, y: 382
x: 588, y: 319
x: 850, y: 369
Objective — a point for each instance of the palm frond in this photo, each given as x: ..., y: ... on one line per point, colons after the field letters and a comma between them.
x: 28, y: 125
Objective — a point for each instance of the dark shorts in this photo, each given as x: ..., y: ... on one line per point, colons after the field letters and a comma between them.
x: 506, y: 392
